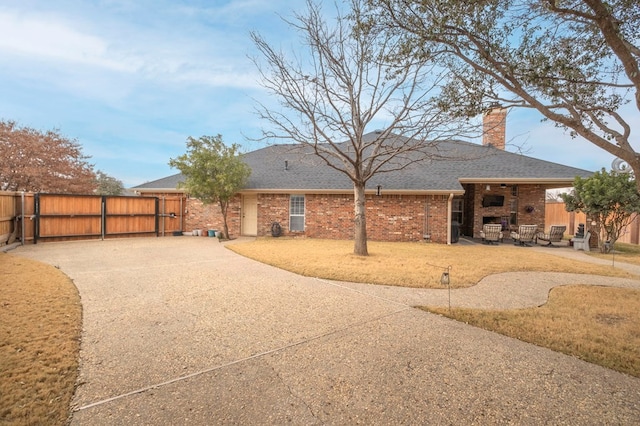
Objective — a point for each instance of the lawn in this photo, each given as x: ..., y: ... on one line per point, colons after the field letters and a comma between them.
x: 600, y: 325
x: 40, y: 323
x: 628, y: 253
x: 409, y: 264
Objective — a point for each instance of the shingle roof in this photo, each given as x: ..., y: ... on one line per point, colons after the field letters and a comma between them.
x: 166, y: 183
x: 453, y: 162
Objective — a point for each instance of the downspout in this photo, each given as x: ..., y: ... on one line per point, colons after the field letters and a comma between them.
x: 449, y: 208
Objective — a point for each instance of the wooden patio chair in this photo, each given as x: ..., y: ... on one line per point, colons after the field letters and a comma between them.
x: 491, y: 233
x: 525, y: 236
x: 555, y: 234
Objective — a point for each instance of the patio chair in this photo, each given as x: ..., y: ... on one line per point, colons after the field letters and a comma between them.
x: 491, y: 233
x: 555, y: 234
x: 525, y: 236
x: 581, y: 243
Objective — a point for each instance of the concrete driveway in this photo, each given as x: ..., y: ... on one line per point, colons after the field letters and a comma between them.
x: 181, y: 330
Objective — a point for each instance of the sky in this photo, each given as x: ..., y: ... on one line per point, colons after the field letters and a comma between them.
x: 131, y: 80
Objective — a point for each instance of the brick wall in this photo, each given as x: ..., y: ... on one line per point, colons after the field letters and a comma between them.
x: 273, y: 208
x: 531, y: 196
x: 389, y: 217
x: 331, y: 216
x: 523, y: 197
x: 209, y: 216
x: 494, y: 128
x: 436, y: 226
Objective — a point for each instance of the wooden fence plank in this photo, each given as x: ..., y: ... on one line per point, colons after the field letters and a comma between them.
x: 555, y: 214
x: 7, y: 216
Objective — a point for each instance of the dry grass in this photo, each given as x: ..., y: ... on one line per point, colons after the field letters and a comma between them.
x: 40, y: 323
x: 600, y: 325
x: 628, y: 253
x: 407, y: 264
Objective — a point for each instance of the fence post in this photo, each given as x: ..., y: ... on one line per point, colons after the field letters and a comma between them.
x: 157, y: 217
x: 36, y: 211
x: 103, y: 217
x: 22, y: 221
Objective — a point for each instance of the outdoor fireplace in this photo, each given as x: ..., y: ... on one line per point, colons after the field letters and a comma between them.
x: 502, y: 220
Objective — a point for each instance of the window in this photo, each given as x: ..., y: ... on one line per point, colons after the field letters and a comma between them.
x: 296, y: 213
x: 457, y: 210
x: 513, y: 212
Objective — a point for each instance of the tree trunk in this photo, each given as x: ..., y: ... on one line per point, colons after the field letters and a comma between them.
x: 360, y: 221
x: 224, y: 206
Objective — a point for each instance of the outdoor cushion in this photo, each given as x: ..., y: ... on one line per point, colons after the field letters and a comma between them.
x: 525, y: 235
x: 491, y: 233
x: 555, y: 234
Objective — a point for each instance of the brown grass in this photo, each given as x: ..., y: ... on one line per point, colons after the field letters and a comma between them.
x: 600, y: 325
x: 407, y: 264
x: 40, y: 323
x: 628, y: 253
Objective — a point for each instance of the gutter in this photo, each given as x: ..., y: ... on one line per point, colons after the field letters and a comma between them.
x: 350, y: 191
x: 521, y: 181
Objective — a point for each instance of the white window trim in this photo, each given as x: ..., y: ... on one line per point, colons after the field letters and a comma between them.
x: 303, y: 215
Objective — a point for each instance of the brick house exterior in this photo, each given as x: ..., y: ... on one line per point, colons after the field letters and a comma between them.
x: 428, y: 201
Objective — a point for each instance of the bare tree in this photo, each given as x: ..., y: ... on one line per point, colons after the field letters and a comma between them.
x: 348, y: 86
x: 575, y: 61
x: 42, y: 162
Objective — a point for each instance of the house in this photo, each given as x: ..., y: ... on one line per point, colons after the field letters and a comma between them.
x: 466, y: 186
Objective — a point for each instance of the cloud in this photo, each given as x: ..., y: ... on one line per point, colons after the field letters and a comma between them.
x: 47, y: 38
x: 159, y: 50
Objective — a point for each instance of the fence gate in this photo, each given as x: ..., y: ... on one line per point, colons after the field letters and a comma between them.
x: 68, y: 217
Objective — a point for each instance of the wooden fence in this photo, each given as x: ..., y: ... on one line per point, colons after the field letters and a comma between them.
x: 39, y: 217
x: 555, y: 214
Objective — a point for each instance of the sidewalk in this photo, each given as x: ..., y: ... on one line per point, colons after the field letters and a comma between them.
x: 182, y: 331
x: 511, y: 290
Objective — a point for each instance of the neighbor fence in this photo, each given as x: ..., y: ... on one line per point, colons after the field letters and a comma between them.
x: 555, y: 214
x: 29, y: 217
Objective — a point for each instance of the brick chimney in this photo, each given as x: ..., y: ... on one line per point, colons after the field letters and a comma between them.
x: 494, y: 124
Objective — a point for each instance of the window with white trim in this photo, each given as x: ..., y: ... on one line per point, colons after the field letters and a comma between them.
x: 457, y: 210
x: 296, y: 213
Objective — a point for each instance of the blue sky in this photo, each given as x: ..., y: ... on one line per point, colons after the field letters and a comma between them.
x: 131, y: 80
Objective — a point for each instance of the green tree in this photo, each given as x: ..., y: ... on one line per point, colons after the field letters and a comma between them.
x: 609, y: 199
x: 213, y: 171
x: 108, y: 185
x: 577, y: 62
